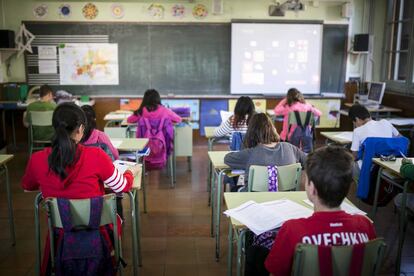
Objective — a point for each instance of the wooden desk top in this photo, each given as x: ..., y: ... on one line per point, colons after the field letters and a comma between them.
x: 217, y: 159
x: 381, y: 109
x: 209, y: 130
x: 4, y: 158
x: 393, y: 166
x: 331, y: 135
x: 129, y: 144
x: 234, y: 200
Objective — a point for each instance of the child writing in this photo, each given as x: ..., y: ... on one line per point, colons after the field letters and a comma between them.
x: 263, y: 147
x: 329, y: 176
x: 243, y: 111
x: 152, y: 108
x: 294, y: 101
x: 94, y: 136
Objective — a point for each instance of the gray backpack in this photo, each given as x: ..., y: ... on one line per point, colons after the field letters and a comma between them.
x: 302, y: 136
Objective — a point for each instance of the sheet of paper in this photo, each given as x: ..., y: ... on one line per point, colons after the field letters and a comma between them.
x: 401, y: 121
x: 262, y: 217
x: 47, y: 66
x: 47, y: 52
x: 345, y: 135
x: 345, y: 206
x: 116, y: 142
x: 122, y: 166
x: 225, y: 115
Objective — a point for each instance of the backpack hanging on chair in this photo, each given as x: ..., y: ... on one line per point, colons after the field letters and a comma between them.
x: 302, y: 136
x: 157, y: 159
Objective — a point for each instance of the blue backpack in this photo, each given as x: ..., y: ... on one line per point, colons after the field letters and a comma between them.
x: 237, y: 141
x: 302, y: 136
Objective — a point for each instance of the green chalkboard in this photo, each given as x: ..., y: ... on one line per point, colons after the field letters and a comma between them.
x: 179, y: 59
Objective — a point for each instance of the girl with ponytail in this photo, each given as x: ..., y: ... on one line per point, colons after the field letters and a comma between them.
x: 70, y: 170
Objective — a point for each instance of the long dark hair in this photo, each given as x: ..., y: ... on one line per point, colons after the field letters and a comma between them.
x: 260, y: 131
x: 294, y: 96
x: 90, y: 122
x: 67, y: 118
x: 151, y: 101
x: 244, y: 106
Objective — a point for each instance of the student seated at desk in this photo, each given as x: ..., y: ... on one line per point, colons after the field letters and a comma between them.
x: 239, y: 121
x: 45, y: 103
x: 406, y: 171
x: 94, y: 136
x: 263, y: 148
x: 294, y: 101
x: 329, y: 176
x: 366, y: 127
x: 70, y: 170
x: 152, y: 108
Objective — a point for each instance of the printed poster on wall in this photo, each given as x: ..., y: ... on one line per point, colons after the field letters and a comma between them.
x: 89, y: 64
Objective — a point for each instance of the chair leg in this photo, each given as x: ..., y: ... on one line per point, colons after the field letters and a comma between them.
x: 190, y: 163
x: 37, y: 201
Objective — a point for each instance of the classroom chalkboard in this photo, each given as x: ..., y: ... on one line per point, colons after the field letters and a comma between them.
x: 179, y: 59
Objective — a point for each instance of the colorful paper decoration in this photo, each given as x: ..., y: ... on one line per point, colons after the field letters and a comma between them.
x: 178, y: 11
x: 40, y: 11
x: 90, y: 11
x: 117, y: 11
x: 200, y: 11
x: 24, y: 40
x: 156, y: 11
x: 64, y: 10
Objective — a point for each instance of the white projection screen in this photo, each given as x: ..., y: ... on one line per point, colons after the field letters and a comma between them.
x: 270, y: 58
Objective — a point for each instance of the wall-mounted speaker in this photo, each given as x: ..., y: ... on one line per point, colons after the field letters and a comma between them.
x: 7, y: 39
x: 361, y: 43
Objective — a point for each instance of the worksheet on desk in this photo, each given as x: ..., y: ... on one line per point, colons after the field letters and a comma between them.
x: 345, y: 135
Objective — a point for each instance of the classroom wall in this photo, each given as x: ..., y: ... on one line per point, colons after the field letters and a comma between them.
x: 330, y: 12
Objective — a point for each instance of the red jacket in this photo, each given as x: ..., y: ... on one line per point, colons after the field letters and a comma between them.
x: 322, y: 228
x: 85, y: 178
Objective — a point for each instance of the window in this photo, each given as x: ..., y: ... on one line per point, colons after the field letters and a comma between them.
x: 399, y: 50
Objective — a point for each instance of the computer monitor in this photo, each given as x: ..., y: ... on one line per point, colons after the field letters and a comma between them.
x: 376, y: 92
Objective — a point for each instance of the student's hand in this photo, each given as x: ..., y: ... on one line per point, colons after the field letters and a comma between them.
x: 135, y: 169
x: 406, y: 161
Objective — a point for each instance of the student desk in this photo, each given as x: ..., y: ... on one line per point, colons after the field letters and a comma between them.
x: 376, y: 113
x: 219, y: 169
x: 234, y: 200
x: 331, y: 136
x: 402, y: 124
x: 134, y: 145
x: 393, y: 167
x: 4, y: 158
x: 117, y: 116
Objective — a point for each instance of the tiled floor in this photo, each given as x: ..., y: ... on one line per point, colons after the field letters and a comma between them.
x: 175, y: 231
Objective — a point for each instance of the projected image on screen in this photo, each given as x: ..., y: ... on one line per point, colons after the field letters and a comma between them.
x: 270, y: 58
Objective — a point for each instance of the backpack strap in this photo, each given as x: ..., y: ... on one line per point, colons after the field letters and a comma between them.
x: 357, y: 260
x: 298, y: 121
x: 161, y: 125
x: 95, y: 212
x: 147, y: 123
x: 325, y: 260
x: 64, y: 212
x: 307, y: 120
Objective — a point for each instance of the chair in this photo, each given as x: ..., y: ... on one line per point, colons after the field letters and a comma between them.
x: 38, y: 119
x: 288, y: 178
x: 80, y: 212
x: 306, y: 260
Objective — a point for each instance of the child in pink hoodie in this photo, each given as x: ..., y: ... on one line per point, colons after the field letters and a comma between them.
x: 152, y: 108
x: 94, y: 136
x: 294, y: 101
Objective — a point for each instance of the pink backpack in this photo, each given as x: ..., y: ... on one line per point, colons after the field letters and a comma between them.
x: 157, y: 158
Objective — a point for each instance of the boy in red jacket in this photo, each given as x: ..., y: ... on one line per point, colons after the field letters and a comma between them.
x: 329, y: 176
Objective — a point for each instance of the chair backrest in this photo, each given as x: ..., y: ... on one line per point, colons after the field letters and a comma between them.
x: 104, y: 147
x: 40, y: 118
x: 80, y: 211
x: 288, y: 178
x: 292, y: 118
x: 306, y: 260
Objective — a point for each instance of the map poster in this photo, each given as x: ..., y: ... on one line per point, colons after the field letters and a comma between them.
x: 89, y: 64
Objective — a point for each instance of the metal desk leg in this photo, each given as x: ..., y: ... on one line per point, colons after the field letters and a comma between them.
x: 9, y: 205
x: 377, y: 184
x: 209, y: 177
x: 218, y: 212
x: 37, y: 201
x: 212, y: 205
x: 210, y: 148
x: 134, y: 232
x: 144, y: 188
x: 138, y: 224
x: 240, y: 245
x: 13, y: 129
x: 4, y: 125
x: 401, y: 229
x: 230, y: 254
